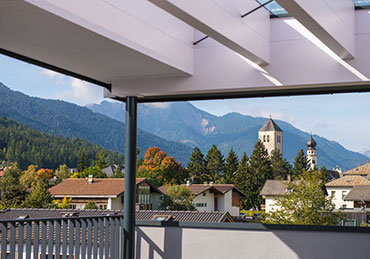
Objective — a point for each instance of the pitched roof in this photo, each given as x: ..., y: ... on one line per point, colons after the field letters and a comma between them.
x: 273, y: 188
x: 270, y: 125
x: 360, y: 170
x: 359, y: 193
x: 197, y: 189
x: 142, y: 215
x: 348, y: 180
x: 99, y: 187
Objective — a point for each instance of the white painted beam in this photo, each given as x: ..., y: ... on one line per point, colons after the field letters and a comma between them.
x: 218, y: 20
x: 331, y: 21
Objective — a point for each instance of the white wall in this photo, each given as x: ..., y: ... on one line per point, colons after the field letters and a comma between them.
x: 228, y: 199
x: 208, y: 243
x: 337, y: 198
x: 117, y: 203
x: 270, y: 204
x: 155, y: 200
x: 209, y: 199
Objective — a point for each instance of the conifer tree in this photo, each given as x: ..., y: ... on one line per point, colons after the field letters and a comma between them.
x: 215, y: 163
x: 101, y: 159
x: 300, y: 163
x: 82, y: 163
x: 242, y: 174
x: 197, y: 167
x: 259, y: 171
x: 231, y: 166
x: 12, y: 192
x: 279, y: 166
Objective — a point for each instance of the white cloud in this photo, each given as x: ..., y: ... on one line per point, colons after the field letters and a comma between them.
x: 52, y: 74
x: 158, y: 105
x: 252, y: 110
x: 81, y: 92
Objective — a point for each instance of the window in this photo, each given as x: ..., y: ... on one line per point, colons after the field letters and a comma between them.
x: 264, y: 138
x: 103, y: 207
x: 201, y: 204
x: 344, y: 206
x: 344, y: 194
x: 72, y: 206
x: 268, y: 138
x: 333, y: 194
x: 204, y: 194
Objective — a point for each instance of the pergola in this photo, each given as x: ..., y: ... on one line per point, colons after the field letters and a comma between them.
x: 168, y: 50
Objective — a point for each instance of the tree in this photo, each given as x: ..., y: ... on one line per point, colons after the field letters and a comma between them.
x: 259, y: 171
x: 300, y: 164
x: 161, y: 169
x: 118, y: 173
x: 12, y: 192
x: 279, y: 166
x: 39, y: 197
x: 62, y: 205
x: 178, y: 198
x: 44, y: 174
x: 91, y: 206
x: 215, y: 163
x: 101, y: 160
x: 242, y: 175
x: 95, y: 171
x: 197, y: 167
x: 82, y: 163
x: 305, y: 203
x: 231, y: 166
x: 28, y: 177
x: 62, y: 172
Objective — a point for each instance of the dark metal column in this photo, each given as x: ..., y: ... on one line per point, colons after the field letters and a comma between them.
x: 130, y: 178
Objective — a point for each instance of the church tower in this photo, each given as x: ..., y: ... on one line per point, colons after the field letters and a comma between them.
x: 311, y: 153
x: 271, y: 136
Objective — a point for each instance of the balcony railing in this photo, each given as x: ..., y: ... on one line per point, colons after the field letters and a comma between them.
x: 65, y: 237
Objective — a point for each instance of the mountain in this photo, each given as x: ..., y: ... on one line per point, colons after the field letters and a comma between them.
x: 182, y: 122
x: 367, y: 153
x: 61, y: 118
x: 26, y: 146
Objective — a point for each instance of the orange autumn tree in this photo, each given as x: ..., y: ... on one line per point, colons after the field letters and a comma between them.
x: 161, y: 169
x: 44, y: 173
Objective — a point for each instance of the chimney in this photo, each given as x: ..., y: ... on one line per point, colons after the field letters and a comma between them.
x: 289, y: 178
x: 90, y: 179
x: 211, y: 183
x: 205, y: 183
x: 188, y: 183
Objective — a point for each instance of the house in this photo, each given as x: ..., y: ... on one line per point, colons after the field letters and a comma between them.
x: 110, y: 170
x: 339, y: 188
x: 272, y: 190
x: 107, y: 193
x: 362, y: 170
x: 360, y: 196
x: 215, y: 197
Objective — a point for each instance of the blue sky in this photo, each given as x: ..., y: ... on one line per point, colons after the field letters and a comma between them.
x: 343, y: 117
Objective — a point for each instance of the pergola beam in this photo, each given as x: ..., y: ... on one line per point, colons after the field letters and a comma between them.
x: 331, y: 23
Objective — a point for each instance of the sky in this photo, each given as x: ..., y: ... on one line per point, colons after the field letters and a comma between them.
x: 344, y: 118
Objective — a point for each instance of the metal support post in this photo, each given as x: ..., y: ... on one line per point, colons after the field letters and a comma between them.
x: 130, y: 178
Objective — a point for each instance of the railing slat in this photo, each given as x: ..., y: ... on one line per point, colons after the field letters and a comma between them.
x: 83, y: 240
x: 77, y: 242
x: 12, y: 240
x: 89, y: 238
x: 64, y: 241
x: 57, y: 238
x: 116, y: 239
x: 51, y: 239
x: 106, y: 241
x: 20, y: 239
x: 71, y: 238
x: 28, y: 239
x: 121, y: 237
x: 95, y: 246
x: 101, y: 238
x: 36, y: 234
x: 4, y: 231
x: 43, y: 239
x: 111, y: 223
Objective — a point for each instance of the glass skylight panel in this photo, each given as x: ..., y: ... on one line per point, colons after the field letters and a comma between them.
x: 360, y: 3
x: 274, y: 8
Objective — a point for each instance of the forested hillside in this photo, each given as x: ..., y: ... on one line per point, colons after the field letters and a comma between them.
x: 26, y: 146
x: 69, y: 120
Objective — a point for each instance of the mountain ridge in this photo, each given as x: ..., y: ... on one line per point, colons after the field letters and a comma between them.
x: 185, y: 123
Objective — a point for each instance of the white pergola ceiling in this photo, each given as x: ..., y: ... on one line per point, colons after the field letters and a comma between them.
x: 145, y: 48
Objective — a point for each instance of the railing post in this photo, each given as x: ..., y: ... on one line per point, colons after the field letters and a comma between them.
x: 130, y: 178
